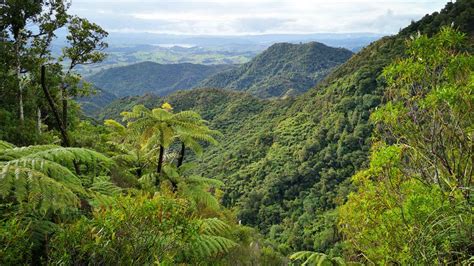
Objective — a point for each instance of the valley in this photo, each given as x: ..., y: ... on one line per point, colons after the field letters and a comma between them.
x: 266, y: 149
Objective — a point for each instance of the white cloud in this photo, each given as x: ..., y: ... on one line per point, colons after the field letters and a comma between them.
x: 232, y: 17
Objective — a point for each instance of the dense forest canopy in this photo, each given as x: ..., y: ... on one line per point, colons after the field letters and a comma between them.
x: 282, y: 70
x: 149, y: 77
x: 373, y: 165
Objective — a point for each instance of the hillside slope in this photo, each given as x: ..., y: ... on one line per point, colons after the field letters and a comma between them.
x: 287, y: 163
x: 286, y: 177
x: 150, y: 77
x: 283, y: 69
x: 94, y: 103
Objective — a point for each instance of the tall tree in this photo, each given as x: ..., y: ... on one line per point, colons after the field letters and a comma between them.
x: 17, y: 18
x: 86, y: 43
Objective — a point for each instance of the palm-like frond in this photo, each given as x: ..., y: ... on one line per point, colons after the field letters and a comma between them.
x: 198, y: 195
x: 41, y: 166
x: 204, y: 181
x: 316, y: 258
x: 213, y: 239
x: 6, y: 145
x: 195, y: 188
x: 161, y: 127
x: 118, y: 130
x: 15, y: 153
x: 214, y: 226
x: 67, y: 157
x: 207, y: 246
x: 104, y: 186
x: 41, y: 176
x: 32, y: 187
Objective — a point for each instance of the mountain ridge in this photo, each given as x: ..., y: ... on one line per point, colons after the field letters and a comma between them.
x: 287, y: 164
x: 282, y: 70
x: 151, y: 77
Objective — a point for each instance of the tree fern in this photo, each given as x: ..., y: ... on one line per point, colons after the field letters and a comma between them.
x: 49, y: 168
x: 157, y: 129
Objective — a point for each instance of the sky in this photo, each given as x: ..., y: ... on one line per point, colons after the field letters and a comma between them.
x: 254, y: 17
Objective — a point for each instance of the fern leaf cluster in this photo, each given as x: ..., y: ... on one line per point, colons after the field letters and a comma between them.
x: 162, y: 127
x: 316, y: 258
x: 42, y: 177
x: 213, y: 239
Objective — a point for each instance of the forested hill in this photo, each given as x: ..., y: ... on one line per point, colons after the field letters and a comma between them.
x: 287, y: 176
x: 150, y: 77
x: 287, y: 164
x: 373, y: 165
x: 283, y: 69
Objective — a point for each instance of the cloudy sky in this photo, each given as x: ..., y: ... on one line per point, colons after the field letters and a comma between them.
x: 232, y: 17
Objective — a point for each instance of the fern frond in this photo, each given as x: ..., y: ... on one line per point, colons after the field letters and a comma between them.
x: 6, y: 145
x: 67, y: 156
x: 32, y: 187
x: 214, y: 227
x: 161, y: 114
x: 199, y: 180
x: 118, y: 130
x: 199, y: 196
x: 48, y: 168
x: 137, y: 112
x: 104, y: 186
x: 316, y: 258
x: 15, y: 153
x: 97, y: 200
x: 208, y: 246
x: 148, y: 180
x: 193, y: 145
x: 187, y: 166
x: 339, y: 261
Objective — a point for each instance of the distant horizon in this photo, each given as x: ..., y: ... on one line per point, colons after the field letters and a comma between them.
x: 252, y: 34
x: 254, y: 17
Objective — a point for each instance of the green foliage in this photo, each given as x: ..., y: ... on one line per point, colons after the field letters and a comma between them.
x: 42, y: 201
x: 287, y: 164
x: 28, y: 31
x: 15, y: 245
x: 134, y: 230
x: 458, y: 14
x: 150, y: 77
x: 316, y: 258
x: 283, y: 165
x: 413, y: 202
x: 41, y: 178
x: 40, y: 187
x: 160, y: 127
x: 282, y: 70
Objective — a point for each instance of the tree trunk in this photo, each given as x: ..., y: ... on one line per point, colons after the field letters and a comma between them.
x: 64, y: 104
x: 181, y: 154
x: 60, y: 123
x: 160, y: 163
x: 18, y: 76
x: 38, y: 121
x: 64, y: 135
x: 22, y: 112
